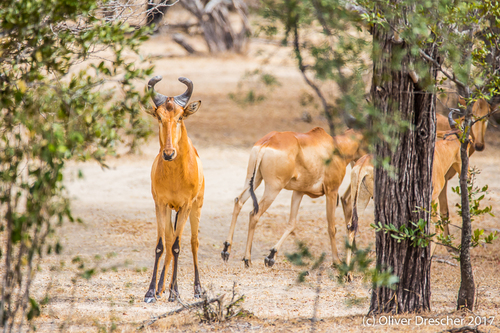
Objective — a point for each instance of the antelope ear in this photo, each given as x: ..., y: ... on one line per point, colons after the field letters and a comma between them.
x: 191, y: 108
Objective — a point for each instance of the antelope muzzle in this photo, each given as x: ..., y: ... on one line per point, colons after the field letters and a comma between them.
x: 169, y: 154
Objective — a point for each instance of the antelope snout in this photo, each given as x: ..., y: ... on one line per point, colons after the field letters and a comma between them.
x: 479, y: 146
x: 169, y: 154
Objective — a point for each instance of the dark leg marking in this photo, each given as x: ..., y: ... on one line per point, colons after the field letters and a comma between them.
x: 247, y: 262
x: 225, y: 254
x: 198, y: 291
x: 174, y: 290
x: 252, y: 194
x: 150, y: 295
x: 160, y: 283
x: 269, y: 260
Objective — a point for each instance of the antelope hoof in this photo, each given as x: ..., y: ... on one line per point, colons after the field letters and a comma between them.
x: 247, y: 262
x: 173, y: 295
x: 198, y: 292
x: 225, y: 253
x: 349, y: 277
x: 158, y: 295
x: 268, y: 262
x: 150, y: 297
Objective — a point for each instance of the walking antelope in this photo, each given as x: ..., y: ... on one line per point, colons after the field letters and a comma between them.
x: 311, y: 163
x: 177, y: 183
x: 446, y: 158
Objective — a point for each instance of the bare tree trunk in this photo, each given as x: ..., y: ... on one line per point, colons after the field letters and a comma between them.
x: 396, y: 198
x: 218, y: 32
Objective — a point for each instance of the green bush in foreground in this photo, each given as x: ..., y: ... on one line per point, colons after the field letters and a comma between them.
x: 48, y: 116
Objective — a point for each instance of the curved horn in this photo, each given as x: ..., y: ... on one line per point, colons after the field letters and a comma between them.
x: 158, y: 99
x: 451, y: 121
x: 183, y: 99
x: 350, y: 120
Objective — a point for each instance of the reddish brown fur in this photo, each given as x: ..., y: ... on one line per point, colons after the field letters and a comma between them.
x: 311, y: 163
x: 177, y: 183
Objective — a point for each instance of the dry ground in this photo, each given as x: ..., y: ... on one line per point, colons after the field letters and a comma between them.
x: 119, y: 223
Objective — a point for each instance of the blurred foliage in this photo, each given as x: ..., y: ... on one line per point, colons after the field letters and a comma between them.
x: 52, y: 112
x: 332, y: 44
x: 360, y: 263
x: 466, y: 33
x: 328, y: 40
x: 254, y: 87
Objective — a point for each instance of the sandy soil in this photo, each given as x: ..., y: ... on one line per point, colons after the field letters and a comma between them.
x: 120, y: 227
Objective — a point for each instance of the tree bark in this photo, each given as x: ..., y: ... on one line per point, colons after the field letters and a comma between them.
x: 396, y: 198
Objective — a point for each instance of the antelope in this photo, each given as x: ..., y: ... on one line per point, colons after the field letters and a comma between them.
x: 177, y: 183
x: 446, y: 158
x: 480, y: 109
x: 296, y: 162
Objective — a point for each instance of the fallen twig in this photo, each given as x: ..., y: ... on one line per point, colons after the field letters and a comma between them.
x: 179, y: 310
x: 445, y: 262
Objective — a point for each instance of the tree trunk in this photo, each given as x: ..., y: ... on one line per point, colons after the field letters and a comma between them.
x: 218, y: 32
x: 467, y: 287
x: 396, y: 198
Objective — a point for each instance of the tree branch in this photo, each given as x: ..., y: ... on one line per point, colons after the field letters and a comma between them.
x: 302, y: 68
x: 485, y: 116
x: 179, y: 310
x: 449, y: 76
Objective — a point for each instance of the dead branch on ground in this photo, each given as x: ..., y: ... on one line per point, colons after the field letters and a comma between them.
x: 213, y: 310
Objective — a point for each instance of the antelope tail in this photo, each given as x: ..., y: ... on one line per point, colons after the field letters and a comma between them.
x: 354, y: 197
x: 354, y: 220
x: 255, y: 170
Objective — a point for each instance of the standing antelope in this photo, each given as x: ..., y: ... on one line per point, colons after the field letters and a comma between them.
x: 177, y: 183
x: 480, y: 109
x: 311, y: 163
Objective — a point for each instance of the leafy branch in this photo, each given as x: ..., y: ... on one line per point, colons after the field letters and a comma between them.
x: 417, y: 236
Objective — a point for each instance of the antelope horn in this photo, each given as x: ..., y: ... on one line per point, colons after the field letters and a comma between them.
x: 350, y: 120
x: 183, y: 99
x: 158, y: 99
x: 451, y: 121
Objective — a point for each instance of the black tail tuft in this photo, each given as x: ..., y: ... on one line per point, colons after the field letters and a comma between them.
x: 252, y: 194
x: 354, y: 219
